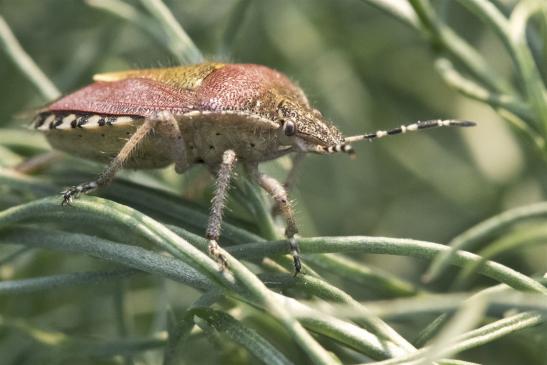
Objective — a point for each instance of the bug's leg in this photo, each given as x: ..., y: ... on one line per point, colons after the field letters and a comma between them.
x: 290, y: 179
x: 179, y: 146
x: 279, y: 194
x: 38, y: 162
x: 217, y: 205
x: 291, y: 175
x: 115, y: 165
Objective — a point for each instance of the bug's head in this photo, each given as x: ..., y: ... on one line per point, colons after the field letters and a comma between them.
x: 307, y: 130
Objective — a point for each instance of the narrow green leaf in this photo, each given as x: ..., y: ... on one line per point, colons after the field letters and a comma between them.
x: 82, y: 347
x: 263, y: 351
x: 391, y: 246
x: 25, y: 63
x: 520, y: 239
x: 483, y: 231
x: 24, y: 286
x: 182, y: 45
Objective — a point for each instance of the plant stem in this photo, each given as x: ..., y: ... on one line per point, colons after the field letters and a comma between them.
x: 23, y: 61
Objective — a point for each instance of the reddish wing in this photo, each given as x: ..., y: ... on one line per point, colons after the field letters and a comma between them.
x: 243, y: 88
x: 240, y: 86
x: 134, y: 96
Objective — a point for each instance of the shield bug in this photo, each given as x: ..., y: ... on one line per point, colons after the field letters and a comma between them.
x: 213, y: 114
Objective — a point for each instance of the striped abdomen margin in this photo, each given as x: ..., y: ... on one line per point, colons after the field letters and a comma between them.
x: 67, y: 120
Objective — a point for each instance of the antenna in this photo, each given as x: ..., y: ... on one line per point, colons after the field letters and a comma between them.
x: 346, y: 147
x: 408, y: 128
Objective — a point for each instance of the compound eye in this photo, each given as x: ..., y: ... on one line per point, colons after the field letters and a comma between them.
x: 289, y: 128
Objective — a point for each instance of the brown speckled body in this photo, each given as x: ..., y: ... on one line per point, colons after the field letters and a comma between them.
x: 211, y: 113
x: 217, y: 107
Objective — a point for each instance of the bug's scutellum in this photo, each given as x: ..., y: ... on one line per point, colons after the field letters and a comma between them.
x: 213, y: 114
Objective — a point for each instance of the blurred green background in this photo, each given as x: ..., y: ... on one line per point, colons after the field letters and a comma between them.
x: 360, y: 67
x: 364, y: 70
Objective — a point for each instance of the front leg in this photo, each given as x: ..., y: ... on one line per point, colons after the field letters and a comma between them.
x: 279, y: 194
x: 217, y: 205
x: 291, y: 175
x: 290, y: 180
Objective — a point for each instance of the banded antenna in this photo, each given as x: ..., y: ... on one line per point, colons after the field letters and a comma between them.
x: 426, y: 124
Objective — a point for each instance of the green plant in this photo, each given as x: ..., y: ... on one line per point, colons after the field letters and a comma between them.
x: 169, y: 302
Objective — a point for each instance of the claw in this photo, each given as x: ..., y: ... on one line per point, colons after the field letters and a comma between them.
x: 214, y: 250
x: 295, y: 252
x: 74, y: 192
x: 297, y: 266
x: 69, y: 194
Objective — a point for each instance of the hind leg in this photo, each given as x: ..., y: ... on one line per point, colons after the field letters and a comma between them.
x: 115, y: 165
x: 166, y: 120
x: 166, y: 125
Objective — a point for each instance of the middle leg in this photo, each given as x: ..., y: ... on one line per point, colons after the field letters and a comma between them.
x: 217, y: 205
